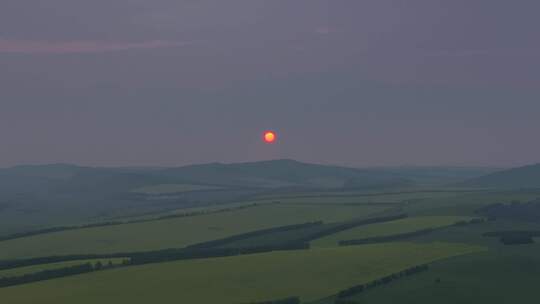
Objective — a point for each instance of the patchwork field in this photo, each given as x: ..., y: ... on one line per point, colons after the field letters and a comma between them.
x: 465, y: 204
x: 389, y: 228
x: 360, y: 197
x: 176, y: 232
x: 315, y: 275
x: 310, y: 274
x: 507, y: 276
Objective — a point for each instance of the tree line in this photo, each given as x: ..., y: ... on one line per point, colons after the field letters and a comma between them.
x: 386, y: 238
x: 382, y: 281
x: 243, y: 236
x: 307, y: 232
x: 514, y: 237
x: 349, y: 225
x: 54, y: 273
x: 515, y: 210
x: 201, y: 250
x: 156, y: 256
x: 198, y: 251
x: 138, y: 258
x: 210, y: 249
x: 10, y: 264
x: 406, y: 235
x: 203, y: 253
x: 290, y: 300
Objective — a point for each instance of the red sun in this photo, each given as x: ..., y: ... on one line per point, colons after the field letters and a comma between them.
x: 269, y: 137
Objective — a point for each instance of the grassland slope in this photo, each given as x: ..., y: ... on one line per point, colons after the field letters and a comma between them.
x: 310, y: 274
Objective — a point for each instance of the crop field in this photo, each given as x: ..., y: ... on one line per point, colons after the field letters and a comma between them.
x: 31, y: 269
x: 509, y: 275
x: 176, y: 232
x: 309, y: 274
x: 360, y: 198
x: 465, y: 204
x: 472, y: 234
x: 388, y: 228
x: 331, y: 198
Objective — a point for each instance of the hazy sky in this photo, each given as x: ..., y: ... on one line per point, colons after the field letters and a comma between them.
x: 358, y: 82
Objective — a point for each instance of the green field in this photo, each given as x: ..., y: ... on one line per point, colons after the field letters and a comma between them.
x: 388, y: 228
x: 310, y: 274
x: 359, y: 197
x: 314, y: 275
x: 509, y: 275
x: 176, y: 232
x: 465, y: 204
x: 173, y: 188
x: 36, y: 268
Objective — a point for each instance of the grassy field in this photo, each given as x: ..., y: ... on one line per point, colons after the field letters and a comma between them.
x: 176, y: 232
x: 388, y: 228
x: 173, y: 188
x: 359, y: 197
x: 32, y: 269
x: 472, y: 234
x: 496, y: 277
x: 465, y: 204
x: 310, y: 274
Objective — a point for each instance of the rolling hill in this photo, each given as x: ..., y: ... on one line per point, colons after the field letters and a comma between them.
x: 32, y: 197
x: 283, y: 173
x: 522, y: 177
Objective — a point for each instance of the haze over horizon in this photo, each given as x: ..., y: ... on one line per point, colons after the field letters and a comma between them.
x: 356, y: 83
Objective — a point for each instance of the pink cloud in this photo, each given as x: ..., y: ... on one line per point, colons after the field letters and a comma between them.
x: 67, y: 47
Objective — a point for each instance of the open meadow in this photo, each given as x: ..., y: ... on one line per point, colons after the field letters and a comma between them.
x: 389, y: 228
x: 177, y: 232
x: 309, y: 274
x: 509, y: 275
x: 276, y: 246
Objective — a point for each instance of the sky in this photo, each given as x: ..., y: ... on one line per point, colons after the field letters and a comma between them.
x: 357, y: 83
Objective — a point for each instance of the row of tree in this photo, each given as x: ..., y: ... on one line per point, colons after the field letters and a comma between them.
x: 54, y: 273
x: 514, y: 237
x: 506, y: 233
x: 386, y: 238
x: 515, y: 210
x: 199, y: 251
x: 202, y: 250
x: 243, y: 236
x: 470, y: 222
x: 333, y: 229
x: 290, y: 300
x: 10, y: 264
x: 516, y: 240
x: 382, y: 281
x: 406, y: 235
x: 200, y: 212
x: 202, y: 253
x: 210, y: 249
x: 136, y: 258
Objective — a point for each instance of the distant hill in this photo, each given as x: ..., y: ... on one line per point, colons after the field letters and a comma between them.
x: 284, y: 173
x: 263, y: 174
x: 522, y: 177
x: 438, y: 175
x: 36, y: 196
